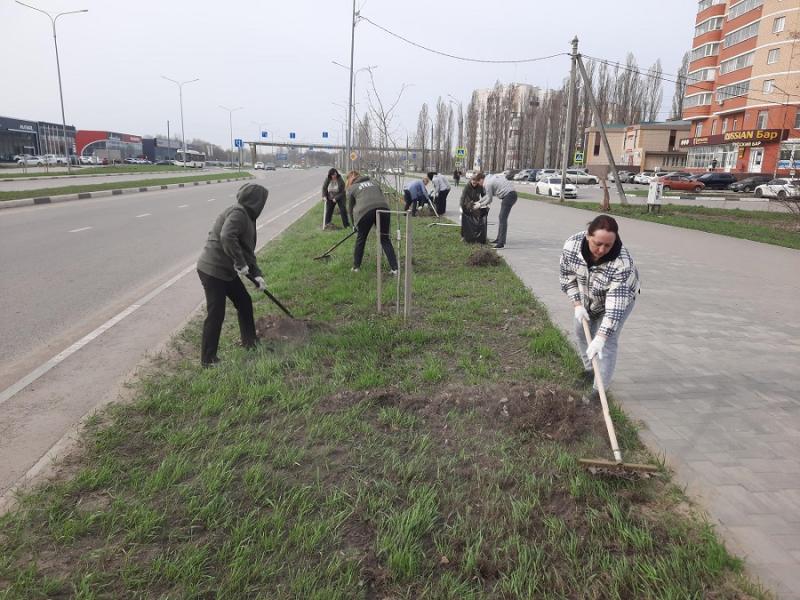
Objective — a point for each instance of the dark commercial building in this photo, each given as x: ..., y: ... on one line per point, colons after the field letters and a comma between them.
x: 156, y: 149
x: 18, y: 136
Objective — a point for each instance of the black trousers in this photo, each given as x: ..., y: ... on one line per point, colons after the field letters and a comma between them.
x: 217, y: 290
x: 364, y: 225
x: 409, y: 203
x: 330, y: 204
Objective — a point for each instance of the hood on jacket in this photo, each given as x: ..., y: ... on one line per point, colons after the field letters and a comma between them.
x: 253, y: 197
x: 612, y: 254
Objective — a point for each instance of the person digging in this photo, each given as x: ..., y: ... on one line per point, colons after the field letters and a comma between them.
x: 228, y: 254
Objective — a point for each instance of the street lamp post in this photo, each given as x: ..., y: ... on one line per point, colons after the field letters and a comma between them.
x: 180, y: 85
x: 58, y: 69
x: 230, y: 123
x: 351, y: 106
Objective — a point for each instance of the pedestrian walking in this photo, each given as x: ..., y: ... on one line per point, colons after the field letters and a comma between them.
x: 416, y: 195
x: 441, y: 188
x: 333, y: 194
x: 598, y: 274
x: 364, y: 200
x: 498, y: 185
x: 228, y: 254
x: 456, y: 176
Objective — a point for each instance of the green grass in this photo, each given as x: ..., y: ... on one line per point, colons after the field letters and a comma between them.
x: 109, y: 170
x: 117, y: 185
x: 776, y: 228
x: 432, y: 459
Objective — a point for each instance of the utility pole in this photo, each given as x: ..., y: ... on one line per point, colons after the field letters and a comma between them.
x: 588, y: 85
x: 570, y: 104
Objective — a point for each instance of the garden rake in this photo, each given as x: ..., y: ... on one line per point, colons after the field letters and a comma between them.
x: 615, y: 466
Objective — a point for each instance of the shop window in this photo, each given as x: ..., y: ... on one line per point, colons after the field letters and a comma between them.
x: 773, y: 56
x: 761, y: 121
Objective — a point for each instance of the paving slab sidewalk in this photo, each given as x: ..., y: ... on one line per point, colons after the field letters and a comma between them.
x: 709, y: 363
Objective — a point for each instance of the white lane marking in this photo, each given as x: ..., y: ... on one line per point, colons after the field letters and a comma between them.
x: 79, y: 229
x: 183, y: 206
x: 142, y: 215
x: 14, y: 388
x: 212, y: 200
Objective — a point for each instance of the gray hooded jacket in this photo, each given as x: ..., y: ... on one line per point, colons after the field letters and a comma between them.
x: 231, y: 242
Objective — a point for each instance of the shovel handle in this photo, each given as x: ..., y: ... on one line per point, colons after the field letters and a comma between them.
x: 598, y: 379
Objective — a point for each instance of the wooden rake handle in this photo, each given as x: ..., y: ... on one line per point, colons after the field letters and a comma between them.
x: 612, y: 434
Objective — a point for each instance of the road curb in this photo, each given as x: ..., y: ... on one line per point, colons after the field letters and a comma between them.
x: 116, y: 192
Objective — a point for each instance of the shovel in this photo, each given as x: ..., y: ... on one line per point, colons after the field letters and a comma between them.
x: 616, y: 464
x: 336, y: 245
x: 278, y: 303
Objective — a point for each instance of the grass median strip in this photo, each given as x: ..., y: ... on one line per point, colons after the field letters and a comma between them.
x: 117, y: 185
x: 363, y: 459
x: 777, y: 228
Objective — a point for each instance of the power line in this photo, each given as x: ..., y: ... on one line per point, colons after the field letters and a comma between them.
x: 688, y: 85
x: 462, y: 58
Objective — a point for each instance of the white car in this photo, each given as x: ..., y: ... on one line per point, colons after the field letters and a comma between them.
x: 470, y: 174
x: 580, y: 176
x: 523, y: 175
x: 30, y: 161
x: 52, y: 159
x: 551, y: 186
x: 89, y: 160
x: 545, y: 173
x: 779, y: 188
x: 258, y: 165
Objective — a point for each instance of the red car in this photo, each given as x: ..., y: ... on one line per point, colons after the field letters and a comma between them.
x: 678, y: 182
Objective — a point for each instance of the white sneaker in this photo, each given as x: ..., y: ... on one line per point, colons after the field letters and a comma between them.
x: 355, y: 270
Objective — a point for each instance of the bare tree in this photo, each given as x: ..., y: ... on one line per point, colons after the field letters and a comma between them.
x: 653, y: 92
x: 471, y: 128
x: 680, y: 88
x: 383, y: 116
x: 422, y: 129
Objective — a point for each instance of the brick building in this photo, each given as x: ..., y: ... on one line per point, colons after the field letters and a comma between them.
x: 743, y: 89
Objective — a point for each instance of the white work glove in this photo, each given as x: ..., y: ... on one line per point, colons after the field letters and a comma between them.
x: 242, y: 271
x: 595, y: 348
x: 580, y: 314
x: 259, y: 281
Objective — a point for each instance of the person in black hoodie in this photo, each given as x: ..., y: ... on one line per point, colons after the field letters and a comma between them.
x: 333, y: 193
x: 229, y: 253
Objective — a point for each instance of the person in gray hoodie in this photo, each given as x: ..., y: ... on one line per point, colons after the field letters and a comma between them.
x: 364, y: 200
x: 229, y: 253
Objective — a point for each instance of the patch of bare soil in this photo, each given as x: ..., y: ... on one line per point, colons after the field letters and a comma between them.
x: 283, y: 329
x: 484, y: 257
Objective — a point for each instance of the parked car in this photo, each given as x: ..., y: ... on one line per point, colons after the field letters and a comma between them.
x: 779, y: 188
x: 551, y: 186
x: 544, y: 173
x: 166, y: 162
x: 624, y: 176
x: 30, y: 161
x: 259, y: 165
x: 748, y: 184
x: 532, y: 176
x: 470, y: 174
x: 716, y: 181
x: 509, y: 173
x: 678, y: 173
x: 522, y: 175
x: 677, y: 182
x: 643, y: 177
x: 53, y: 159
x: 269, y: 167
x: 580, y: 176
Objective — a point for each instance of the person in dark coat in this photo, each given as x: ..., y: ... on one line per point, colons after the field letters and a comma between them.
x: 333, y: 194
x: 228, y: 254
x: 470, y: 201
x: 364, y: 200
x: 456, y: 176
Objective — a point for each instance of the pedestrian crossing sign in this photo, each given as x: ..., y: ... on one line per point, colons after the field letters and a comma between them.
x: 578, y: 158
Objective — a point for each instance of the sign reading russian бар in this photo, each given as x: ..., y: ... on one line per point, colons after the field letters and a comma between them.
x: 747, y: 137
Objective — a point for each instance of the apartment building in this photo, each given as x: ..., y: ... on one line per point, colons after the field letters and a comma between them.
x: 743, y: 88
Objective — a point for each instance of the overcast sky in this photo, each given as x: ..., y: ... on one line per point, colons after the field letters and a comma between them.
x: 274, y: 58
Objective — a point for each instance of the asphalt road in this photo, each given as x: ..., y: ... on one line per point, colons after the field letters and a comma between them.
x: 36, y: 183
x: 68, y: 269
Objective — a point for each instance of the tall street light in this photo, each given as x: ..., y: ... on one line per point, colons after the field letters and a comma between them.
x: 58, y: 68
x: 350, y: 116
x: 180, y: 85
x: 230, y: 123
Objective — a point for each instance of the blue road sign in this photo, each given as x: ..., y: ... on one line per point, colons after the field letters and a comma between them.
x: 324, y: 134
x: 283, y: 157
x: 292, y: 135
x: 413, y: 155
x: 264, y: 134
x: 237, y: 142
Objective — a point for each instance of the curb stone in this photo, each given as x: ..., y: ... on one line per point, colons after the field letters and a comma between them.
x: 103, y: 193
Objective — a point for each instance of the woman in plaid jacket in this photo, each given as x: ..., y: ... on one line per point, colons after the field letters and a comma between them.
x: 597, y: 273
